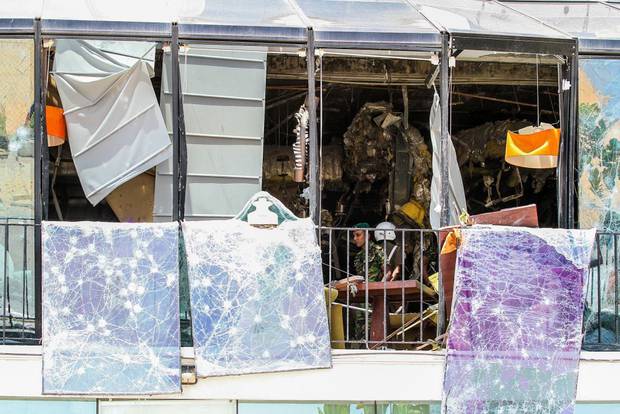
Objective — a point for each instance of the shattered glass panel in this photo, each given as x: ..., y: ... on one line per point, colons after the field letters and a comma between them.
x: 599, y: 175
x: 16, y: 128
x: 599, y: 144
x: 515, y: 333
x: 110, y: 308
x: 257, y: 297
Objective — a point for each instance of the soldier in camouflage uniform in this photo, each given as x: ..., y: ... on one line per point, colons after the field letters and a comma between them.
x: 376, y: 258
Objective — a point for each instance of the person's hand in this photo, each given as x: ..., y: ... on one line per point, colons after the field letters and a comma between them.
x: 396, y: 273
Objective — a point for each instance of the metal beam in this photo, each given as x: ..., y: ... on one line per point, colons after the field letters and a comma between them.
x: 444, y: 95
x: 514, y: 44
x: 573, y: 139
x: 313, y: 161
x: 38, y: 206
x: 174, y: 65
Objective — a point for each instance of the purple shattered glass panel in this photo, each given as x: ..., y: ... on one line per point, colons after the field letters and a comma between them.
x: 515, y: 332
x: 110, y: 308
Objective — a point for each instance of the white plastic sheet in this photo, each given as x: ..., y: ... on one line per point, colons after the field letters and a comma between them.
x: 457, y: 191
x: 100, y: 57
x: 115, y: 127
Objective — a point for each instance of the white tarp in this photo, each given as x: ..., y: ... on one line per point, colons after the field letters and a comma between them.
x: 100, y: 57
x: 115, y: 127
x: 457, y: 191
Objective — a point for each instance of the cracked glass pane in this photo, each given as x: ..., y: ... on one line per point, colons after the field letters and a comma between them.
x: 598, y: 175
x: 110, y: 308
x: 256, y: 296
x: 516, y: 328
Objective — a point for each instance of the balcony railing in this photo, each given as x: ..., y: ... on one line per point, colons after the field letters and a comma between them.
x: 18, y: 287
x: 601, y: 316
x: 380, y: 293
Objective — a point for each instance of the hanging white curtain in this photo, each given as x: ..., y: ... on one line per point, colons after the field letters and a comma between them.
x: 456, y: 189
x: 115, y: 127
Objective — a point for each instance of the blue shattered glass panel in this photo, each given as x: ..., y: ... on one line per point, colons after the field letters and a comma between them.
x: 599, y: 144
x: 599, y: 175
x: 516, y: 327
x: 110, y: 308
x: 256, y: 297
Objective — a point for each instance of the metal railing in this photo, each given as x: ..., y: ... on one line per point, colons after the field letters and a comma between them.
x: 368, y: 306
x: 602, y: 310
x: 18, y: 282
x: 379, y: 292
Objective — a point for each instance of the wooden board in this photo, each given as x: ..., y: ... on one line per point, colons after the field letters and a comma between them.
x: 132, y: 202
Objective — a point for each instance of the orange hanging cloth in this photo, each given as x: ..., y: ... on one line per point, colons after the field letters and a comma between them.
x: 537, y: 150
x: 56, y: 127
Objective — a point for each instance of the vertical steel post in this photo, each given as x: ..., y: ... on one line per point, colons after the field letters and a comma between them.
x: 38, y: 206
x: 573, y: 139
x: 182, y: 154
x: 313, y: 161
x: 45, y: 153
x: 444, y: 73
x: 561, y: 170
x: 174, y: 65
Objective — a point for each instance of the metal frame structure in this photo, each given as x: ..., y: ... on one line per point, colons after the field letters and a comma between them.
x: 445, y: 40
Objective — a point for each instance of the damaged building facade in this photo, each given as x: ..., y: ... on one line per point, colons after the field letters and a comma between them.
x: 420, y: 114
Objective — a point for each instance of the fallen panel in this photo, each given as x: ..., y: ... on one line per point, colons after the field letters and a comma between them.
x: 110, y: 308
x: 516, y: 327
x: 256, y: 297
x: 224, y: 112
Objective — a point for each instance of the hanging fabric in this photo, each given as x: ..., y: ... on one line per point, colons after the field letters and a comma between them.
x: 100, y: 57
x: 256, y: 294
x: 110, y: 308
x: 516, y: 326
x: 115, y: 127
x: 458, y: 204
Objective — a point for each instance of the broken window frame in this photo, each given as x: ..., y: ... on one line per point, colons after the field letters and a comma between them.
x: 450, y: 43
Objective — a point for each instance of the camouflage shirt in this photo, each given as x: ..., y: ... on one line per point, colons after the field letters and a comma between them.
x: 376, y: 259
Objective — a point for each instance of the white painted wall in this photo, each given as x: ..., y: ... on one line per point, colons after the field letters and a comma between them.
x: 355, y: 376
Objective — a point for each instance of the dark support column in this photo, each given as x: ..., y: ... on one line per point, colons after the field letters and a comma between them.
x: 182, y: 154
x: 568, y: 143
x: 444, y: 73
x: 45, y: 153
x: 313, y: 160
x: 561, y: 170
x: 573, y: 139
x: 174, y: 65
x: 38, y: 205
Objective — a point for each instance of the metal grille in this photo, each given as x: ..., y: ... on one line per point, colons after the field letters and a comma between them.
x: 18, y: 285
x: 364, y: 314
x: 602, y: 316
x: 369, y: 307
